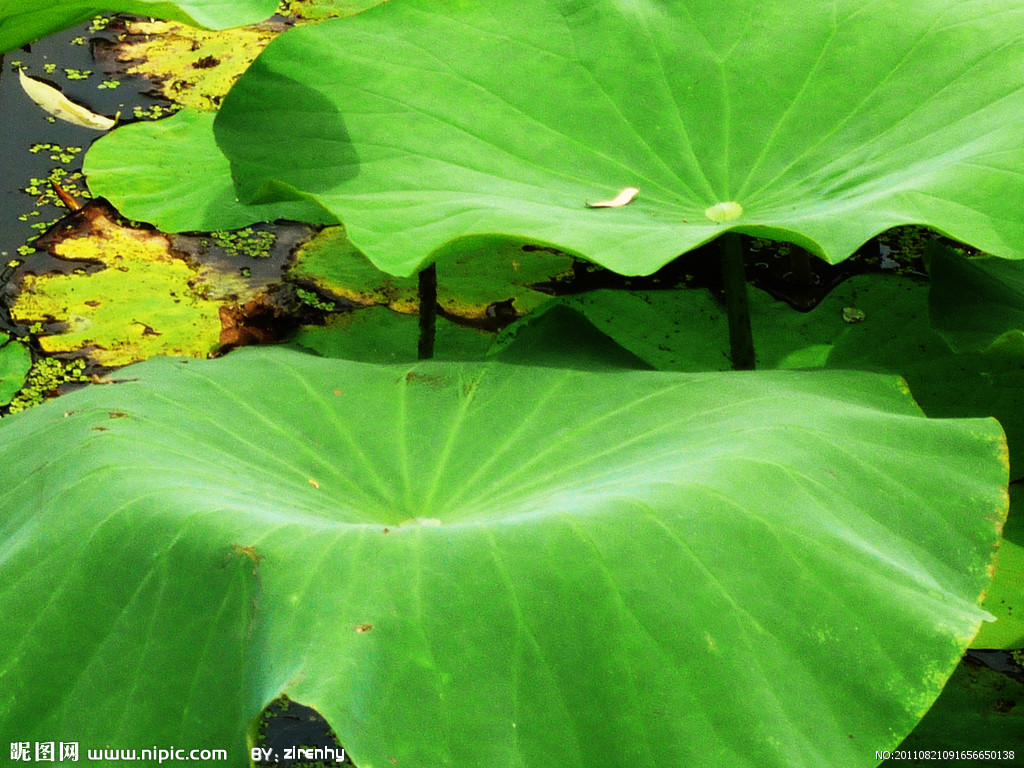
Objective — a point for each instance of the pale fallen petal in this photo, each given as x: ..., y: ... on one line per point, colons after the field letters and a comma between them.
x: 618, y: 201
x: 60, y: 106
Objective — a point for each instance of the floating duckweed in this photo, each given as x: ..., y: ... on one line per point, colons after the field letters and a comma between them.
x: 246, y: 242
x: 78, y: 41
x: 57, y: 152
x: 45, y: 376
x: 313, y: 300
x: 109, y: 84
x: 99, y: 23
x: 42, y: 190
x: 49, y: 68
x: 154, y: 112
x: 77, y: 74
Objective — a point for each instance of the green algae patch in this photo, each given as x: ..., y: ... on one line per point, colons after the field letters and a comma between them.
x: 477, y: 278
x: 145, y: 302
x: 192, y: 67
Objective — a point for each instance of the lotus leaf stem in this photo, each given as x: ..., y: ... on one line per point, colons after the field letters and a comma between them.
x: 428, y: 311
x: 734, y: 279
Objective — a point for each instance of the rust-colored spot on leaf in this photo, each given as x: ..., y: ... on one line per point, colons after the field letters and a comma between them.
x: 248, y: 551
x: 363, y: 628
x: 117, y: 414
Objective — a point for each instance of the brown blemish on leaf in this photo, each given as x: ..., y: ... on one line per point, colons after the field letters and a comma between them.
x: 248, y: 551
x: 314, y: 483
x: 117, y: 415
x: 426, y: 379
x: 363, y: 628
x: 100, y: 380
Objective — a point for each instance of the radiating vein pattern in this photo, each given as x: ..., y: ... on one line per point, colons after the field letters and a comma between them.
x: 552, y: 565
x: 825, y: 122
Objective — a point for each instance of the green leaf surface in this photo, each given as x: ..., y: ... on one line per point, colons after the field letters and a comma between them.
x: 15, y: 360
x: 1005, y: 598
x: 378, y: 335
x: 177, y: 179
x: 977, y: 302
x: 979, y: 709
x: 473, y: 274
x: 687, y: 330
x: 818, y: 123
x: 490, y: 564
x: 25, y: 21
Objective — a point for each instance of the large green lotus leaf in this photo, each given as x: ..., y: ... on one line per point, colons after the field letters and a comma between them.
x: 24, y: 21
x: 15, y: 360
x: 171, y: 174
x: 473, y: 275
x: 687, y: 330
x: 491, y: 564
x: 418, y: 122
x: 977, y: 302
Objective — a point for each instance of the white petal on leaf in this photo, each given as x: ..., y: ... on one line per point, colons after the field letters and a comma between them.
x: 60, y: 106
x: 618, y: 201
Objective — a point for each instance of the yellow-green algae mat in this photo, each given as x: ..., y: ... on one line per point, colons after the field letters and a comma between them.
x: 146, y: 301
